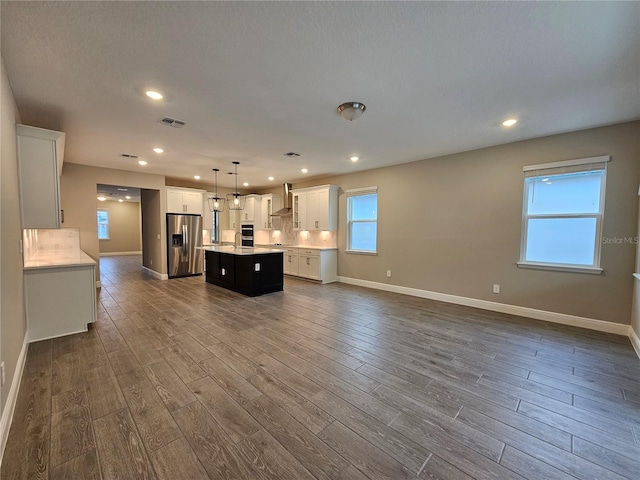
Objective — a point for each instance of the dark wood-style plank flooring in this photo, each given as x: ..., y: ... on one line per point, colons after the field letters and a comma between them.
x: 181, y: 379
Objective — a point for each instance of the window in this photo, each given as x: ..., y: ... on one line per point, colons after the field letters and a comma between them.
x: 362, y: 220
x: 215, y: 231
x: 103, y: 224
x: 563, y: 208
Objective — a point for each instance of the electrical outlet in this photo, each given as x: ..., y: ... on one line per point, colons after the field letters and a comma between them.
x: 150, y: 262
x: 388, y: 273
x: 2, y: 374
x: 496, y: 288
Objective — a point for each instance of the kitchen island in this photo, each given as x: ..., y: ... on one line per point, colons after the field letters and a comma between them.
x: 247, y: 270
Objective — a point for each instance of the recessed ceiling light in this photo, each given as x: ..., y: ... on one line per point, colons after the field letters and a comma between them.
x: 197, y: 177
x: 245, y: 184
x: 153, y: 94
x: 102, y: 198
x: 354, y: 158
x: 270, y: 179
x: 142, y: 162
x: 510, y: 122
x: 304, y: 170
x: 128, y: 197
x: 120, y: 200
x: 158, y: 150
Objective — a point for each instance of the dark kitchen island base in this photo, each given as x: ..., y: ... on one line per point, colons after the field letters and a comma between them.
x: 249, y: 271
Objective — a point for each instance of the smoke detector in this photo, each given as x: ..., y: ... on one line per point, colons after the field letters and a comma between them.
x: 172, y: 122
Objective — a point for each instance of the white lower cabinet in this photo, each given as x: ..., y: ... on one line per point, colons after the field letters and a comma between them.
x: 59, y: 301
x: 314, y: 264
x: 291, y: 259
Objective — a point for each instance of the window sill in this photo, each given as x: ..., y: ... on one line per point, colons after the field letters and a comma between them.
x: 561, y: 268
x: 361, y: 252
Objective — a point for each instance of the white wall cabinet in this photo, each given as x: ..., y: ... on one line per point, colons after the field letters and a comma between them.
x: 234, y: 219
x: 268, y: 204
x: 184, y: 201
x: 252, y: 211
x: 40, y: 157
x: 316, y: 208
x: 314, y: 264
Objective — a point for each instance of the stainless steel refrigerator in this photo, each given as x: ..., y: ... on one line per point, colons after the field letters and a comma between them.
x: 184, y: 236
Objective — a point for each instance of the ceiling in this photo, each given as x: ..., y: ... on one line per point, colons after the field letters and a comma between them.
x: 253, y: 80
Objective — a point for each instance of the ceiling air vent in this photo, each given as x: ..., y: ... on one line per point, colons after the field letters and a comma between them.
x: 292, y: 154
x: 172, y: 122
x: 128, y: 155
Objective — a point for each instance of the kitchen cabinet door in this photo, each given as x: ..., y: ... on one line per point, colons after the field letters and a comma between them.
x: 300, y: 211
x: 184, y: 201
x: 268, y: 204
x: 291, y: 263
x: 234, y: 216
x: 193, y: 202
x: 309, y: 266
x: 40, y: 157
x: 248, y: 214
x: 174, y: 202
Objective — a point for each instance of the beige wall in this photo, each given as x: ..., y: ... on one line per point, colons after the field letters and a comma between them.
x: 124, y: 227
x: 452, y: 225
x: 635, y: 308
x: 12, y: 315
x: 78, y: 193
x: 152, y: 228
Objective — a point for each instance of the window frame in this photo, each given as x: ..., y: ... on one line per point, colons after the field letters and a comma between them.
x: 358, y: 192
x: 557, y: 168
x: 108, y: 237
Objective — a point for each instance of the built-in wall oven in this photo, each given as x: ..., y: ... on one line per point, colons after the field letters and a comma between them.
x: 247, y: 235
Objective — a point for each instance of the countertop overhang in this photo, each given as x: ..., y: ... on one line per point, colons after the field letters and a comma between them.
x: 240, y: 250
x: 74, y: 258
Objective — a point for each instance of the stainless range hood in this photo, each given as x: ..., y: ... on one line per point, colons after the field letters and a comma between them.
x: 287, y: 203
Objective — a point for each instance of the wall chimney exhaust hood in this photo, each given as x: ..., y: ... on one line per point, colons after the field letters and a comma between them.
x: 287, y: 203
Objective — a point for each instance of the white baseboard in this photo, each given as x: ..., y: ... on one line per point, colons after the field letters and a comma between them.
x: 159, y: 276
x: 635, y: 340
x: 9, y: 408
x: 117, y: 254
x: 562, y: 318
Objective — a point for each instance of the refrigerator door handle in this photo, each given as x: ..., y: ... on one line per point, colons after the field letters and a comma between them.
x: 185, y: 243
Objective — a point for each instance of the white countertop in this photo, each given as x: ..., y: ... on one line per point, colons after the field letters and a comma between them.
x: 73, y: 258
x: 240, y: 250
x: 307, y: 247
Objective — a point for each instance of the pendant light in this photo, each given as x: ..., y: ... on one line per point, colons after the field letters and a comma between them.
x: 216, y: 204
x: 235, y: 200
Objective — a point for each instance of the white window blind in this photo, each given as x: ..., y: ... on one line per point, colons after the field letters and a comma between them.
x: 362, y: 220
x: 563, y: 209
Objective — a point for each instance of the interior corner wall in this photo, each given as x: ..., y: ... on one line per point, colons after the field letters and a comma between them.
x: 12, y: 316
x: 635, y: 308
x: 452, y: 225
x: 124, y: 227
x: 152, y: 228
x: 78, y: 192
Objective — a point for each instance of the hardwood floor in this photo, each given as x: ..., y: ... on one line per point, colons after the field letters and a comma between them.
x: 181, y: 379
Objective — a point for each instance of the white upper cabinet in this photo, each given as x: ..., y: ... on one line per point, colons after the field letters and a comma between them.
x: 251, y: 213
x: 316, y: 208
x: 269, y: 203
x: 40, y: 157
x: 184, y: 201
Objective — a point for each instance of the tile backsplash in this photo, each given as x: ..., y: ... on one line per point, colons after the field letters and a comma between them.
x: 37, y: 240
